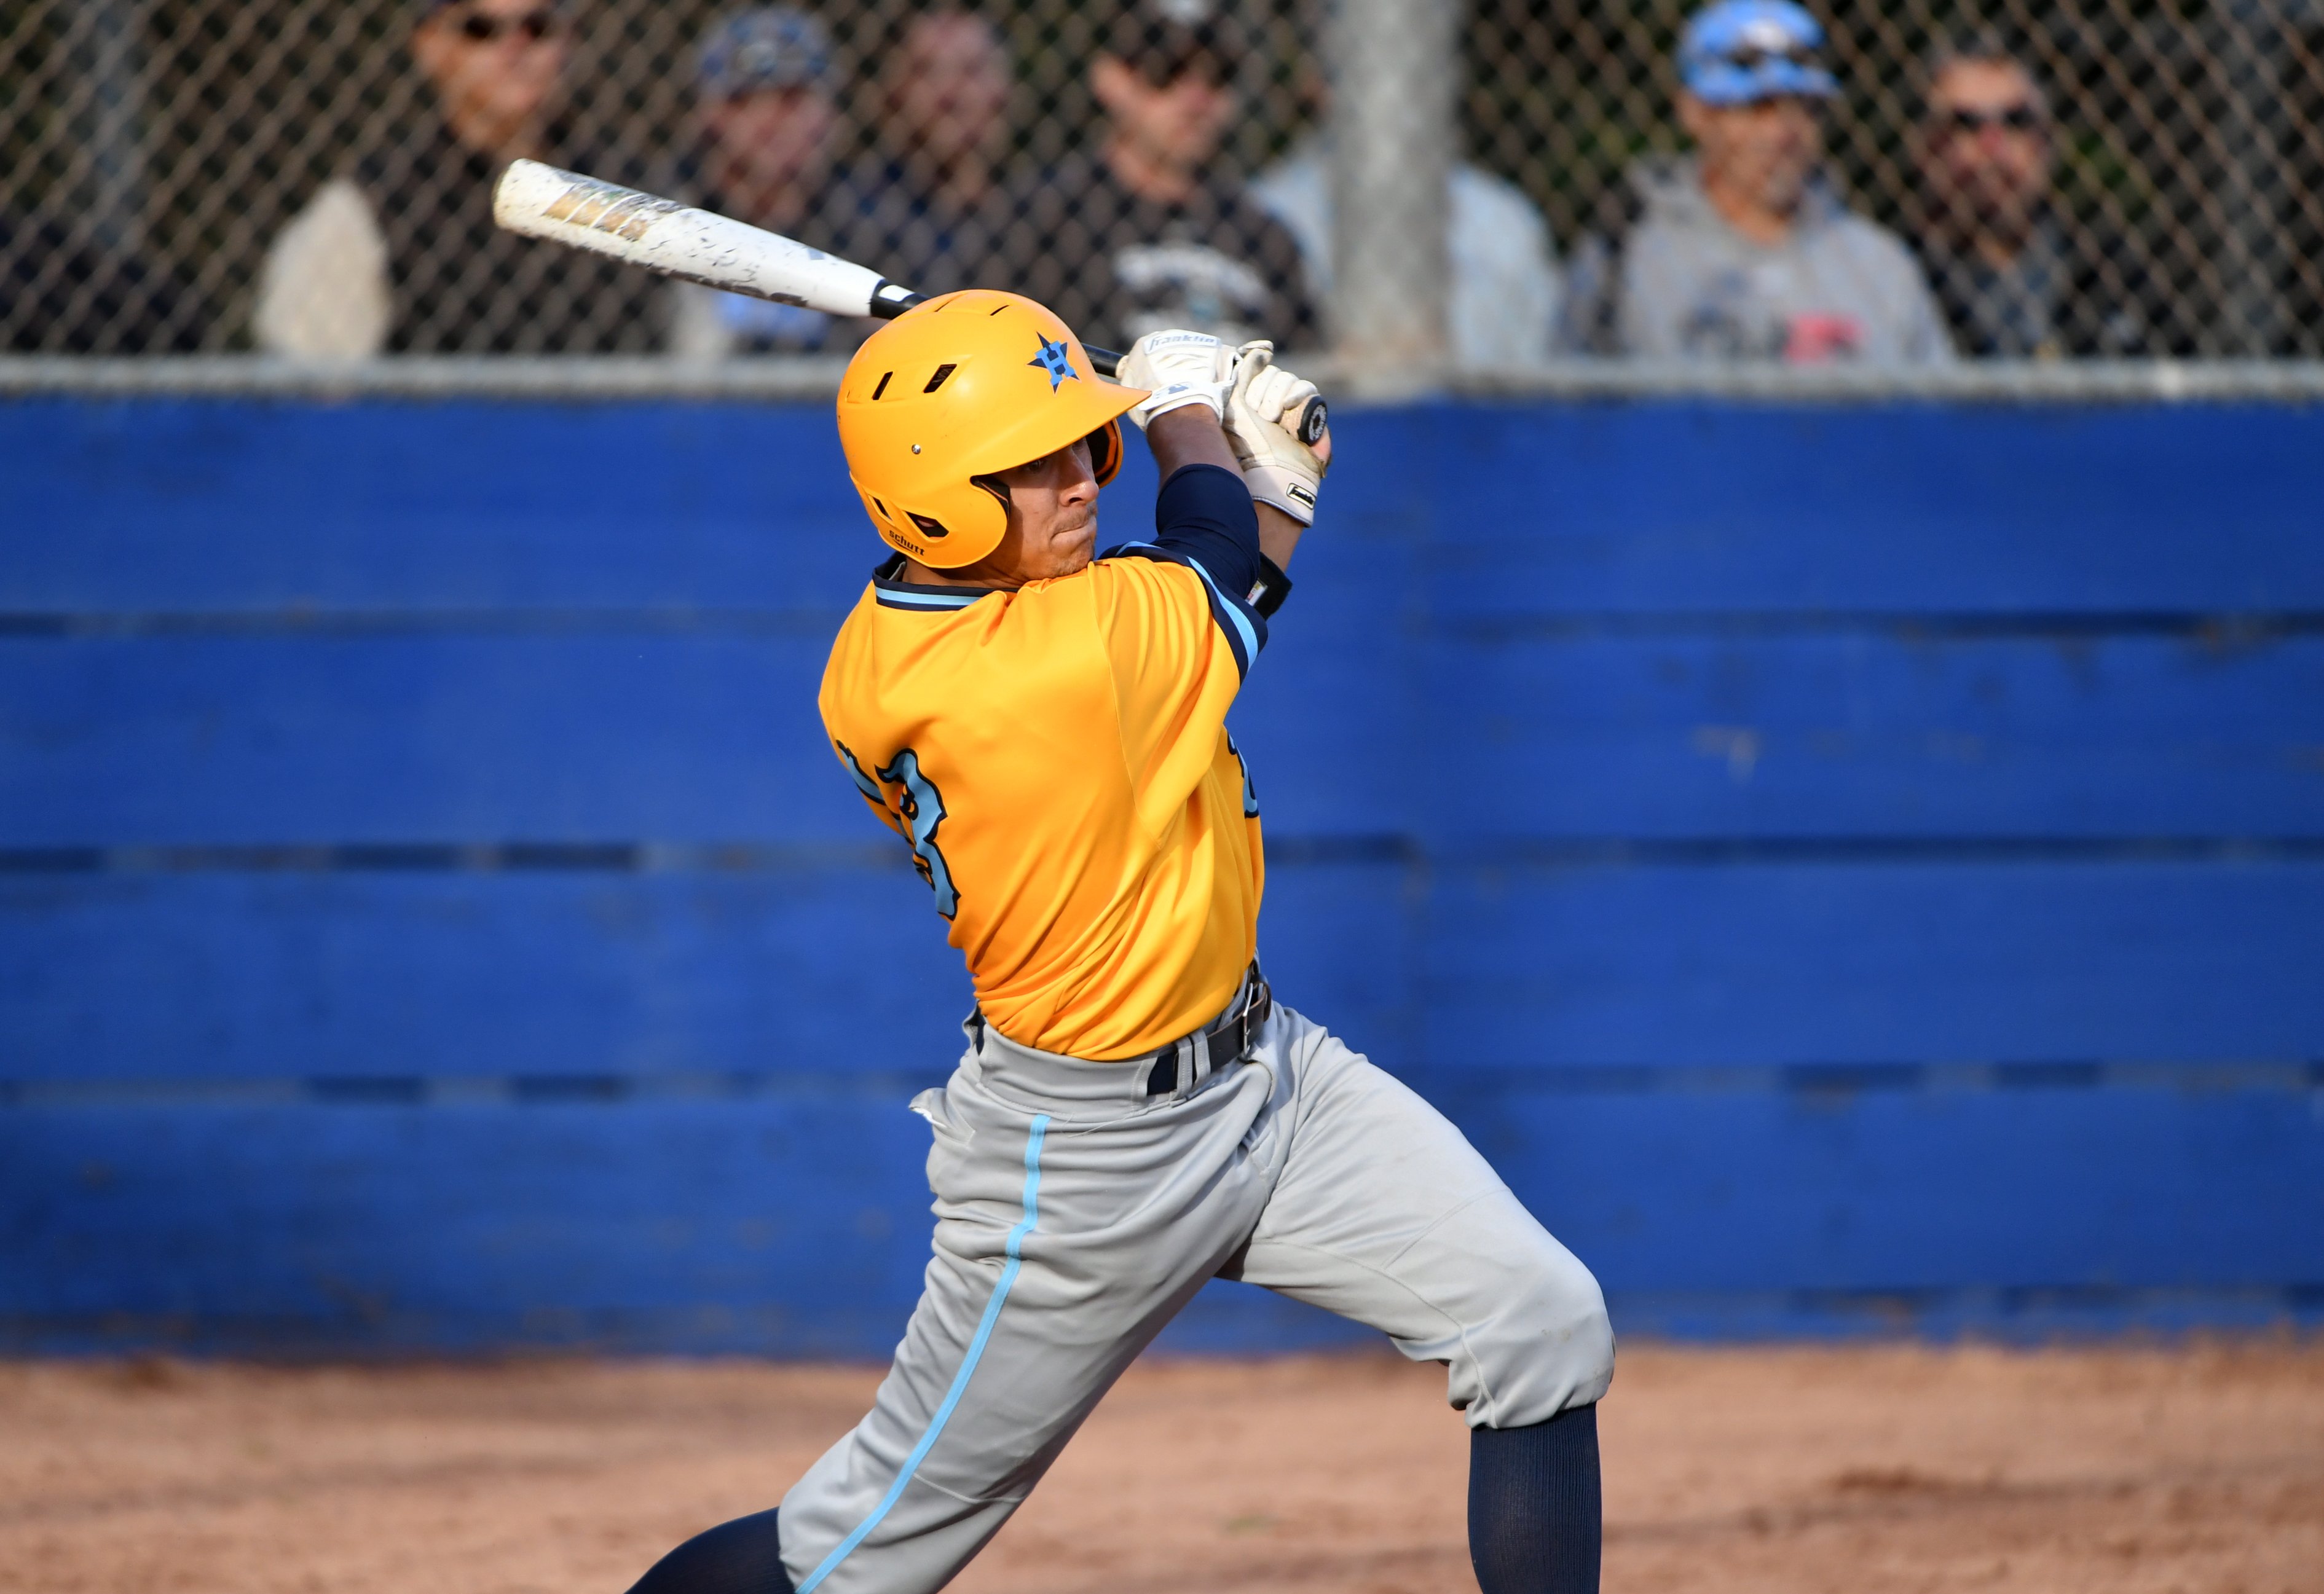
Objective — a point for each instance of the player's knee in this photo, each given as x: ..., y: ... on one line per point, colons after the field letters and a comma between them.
x: 1553, y: 1348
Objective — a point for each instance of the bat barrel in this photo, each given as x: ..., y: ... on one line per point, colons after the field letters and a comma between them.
x: 583, y: 212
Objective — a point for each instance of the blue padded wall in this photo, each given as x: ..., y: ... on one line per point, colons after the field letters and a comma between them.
x: 1850, y: 868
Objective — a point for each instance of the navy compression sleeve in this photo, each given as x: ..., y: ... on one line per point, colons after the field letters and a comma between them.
x: 744, y: 1556
x: 1536, y: 1514
x: 1205, y: 512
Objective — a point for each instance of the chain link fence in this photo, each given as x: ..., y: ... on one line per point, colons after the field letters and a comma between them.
x: 1501, y: 187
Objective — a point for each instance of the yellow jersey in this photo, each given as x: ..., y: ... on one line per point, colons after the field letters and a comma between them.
x: 1056, y: 758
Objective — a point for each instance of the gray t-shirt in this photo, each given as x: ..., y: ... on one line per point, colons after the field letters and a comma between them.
x: 1681, y: 283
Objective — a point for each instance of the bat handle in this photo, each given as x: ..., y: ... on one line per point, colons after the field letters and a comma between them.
x: 1314, y: 420
x: 890, y: 300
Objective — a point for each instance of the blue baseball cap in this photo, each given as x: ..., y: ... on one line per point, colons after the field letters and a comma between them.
x: 774, y: 47
x: 1737, y: 51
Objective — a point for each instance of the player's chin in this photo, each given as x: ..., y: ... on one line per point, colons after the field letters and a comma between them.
x: 1072, y: 549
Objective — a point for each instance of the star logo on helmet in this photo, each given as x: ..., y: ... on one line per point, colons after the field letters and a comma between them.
x: 1054, y: 359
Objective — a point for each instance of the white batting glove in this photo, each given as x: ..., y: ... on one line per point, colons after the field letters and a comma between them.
x: 1264, y: 408
x: 1182, y: 368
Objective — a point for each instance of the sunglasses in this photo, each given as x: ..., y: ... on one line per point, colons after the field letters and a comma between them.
x: 2020, y: 117
x: 1752, y: 59
x: 481, y: 27
x: 1161, y: 69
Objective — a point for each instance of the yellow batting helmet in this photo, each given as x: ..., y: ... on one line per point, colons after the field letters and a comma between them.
x: 964, y: 386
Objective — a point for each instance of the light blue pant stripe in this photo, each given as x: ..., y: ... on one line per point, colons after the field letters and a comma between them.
x: 967, y: 1363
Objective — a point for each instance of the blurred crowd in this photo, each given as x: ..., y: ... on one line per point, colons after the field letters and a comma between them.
x: 1745, y: 246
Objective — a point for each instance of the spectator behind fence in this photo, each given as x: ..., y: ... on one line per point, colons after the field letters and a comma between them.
x: 1150, y: 234
x: 403, y: 255
x: 1744, y: 251
x: 1502, y: 305
x: 2010, y: 283
x: 767, y: 116
x: 925, y: 212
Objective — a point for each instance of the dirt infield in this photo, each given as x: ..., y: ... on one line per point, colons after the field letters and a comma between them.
x: 1799, y: 1470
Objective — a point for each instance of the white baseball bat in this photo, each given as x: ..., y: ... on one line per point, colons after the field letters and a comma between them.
x: 543, y: 201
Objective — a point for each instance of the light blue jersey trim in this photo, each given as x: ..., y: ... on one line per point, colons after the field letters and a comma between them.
x: 1013, y: 1250
x: 1249, y: 637
x: 928, y: 600
x: 1219, y: 600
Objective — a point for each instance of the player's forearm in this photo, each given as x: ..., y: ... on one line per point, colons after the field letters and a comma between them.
x: 1278, y: 535
x: 1191, y: 436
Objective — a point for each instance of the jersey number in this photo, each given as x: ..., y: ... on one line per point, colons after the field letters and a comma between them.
x: 1249, y: 792
x: 921, y: 808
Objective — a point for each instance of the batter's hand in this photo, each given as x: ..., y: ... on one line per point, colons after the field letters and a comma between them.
x: 1264, y: 408
x: 1182, y: 368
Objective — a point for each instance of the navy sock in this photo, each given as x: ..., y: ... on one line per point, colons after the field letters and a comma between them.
x: 738, y: 1557
x: 1535, y: 1521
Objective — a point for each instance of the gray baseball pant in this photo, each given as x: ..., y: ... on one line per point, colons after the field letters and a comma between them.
x: 1075, y: 1215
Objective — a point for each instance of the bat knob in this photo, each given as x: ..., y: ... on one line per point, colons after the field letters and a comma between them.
x: 1314, y: 420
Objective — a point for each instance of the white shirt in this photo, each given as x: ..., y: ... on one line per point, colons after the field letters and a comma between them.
x: 1503, y: 305
x: 324, y: 293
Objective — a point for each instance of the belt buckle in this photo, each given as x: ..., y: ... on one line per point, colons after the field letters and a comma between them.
x: 1255, y: 1004
x: 1203, y: 1058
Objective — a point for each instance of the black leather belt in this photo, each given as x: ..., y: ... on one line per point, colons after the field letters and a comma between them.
x: 1226, y: 1041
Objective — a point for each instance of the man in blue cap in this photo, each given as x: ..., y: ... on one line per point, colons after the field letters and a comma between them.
x: 768, y: 115
x: 1743, y: 250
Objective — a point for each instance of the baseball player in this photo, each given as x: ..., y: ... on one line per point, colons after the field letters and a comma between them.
x: 1135, y: 1113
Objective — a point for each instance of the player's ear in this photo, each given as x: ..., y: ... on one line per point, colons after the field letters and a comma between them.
x: 1012, y: 525
x: 1106, y: 451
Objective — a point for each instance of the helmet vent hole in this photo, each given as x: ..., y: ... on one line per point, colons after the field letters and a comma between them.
x: 931, y: 529
x: 883, y: 384
x: 883, y: 508
x: 937, y: 381
x: 996, y: 310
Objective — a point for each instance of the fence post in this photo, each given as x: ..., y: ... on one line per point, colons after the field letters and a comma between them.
x: 1394, y: 66
x: 2250, y: 35
x: 107, y: 39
